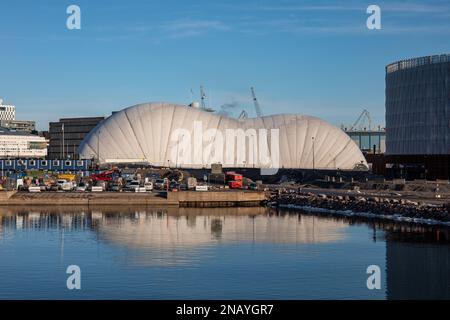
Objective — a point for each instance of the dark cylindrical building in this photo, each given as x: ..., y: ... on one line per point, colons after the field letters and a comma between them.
x: 418, y: 114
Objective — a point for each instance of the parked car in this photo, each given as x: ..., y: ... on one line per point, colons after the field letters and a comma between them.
x: 152, y: 177
x: 99, y: 184
x: 174, y: 185
x: 60, y: 183
x: 252, y: 186
x: 132, y: 185
x: 116, y: 187
x: 148, y: 186
x: 82, y: 187
x: 159, y: 184
x: 183, y: 187
x: 68, y: 186
x: 54, y: 187
x: 22, y: 187
x: 191, y: 182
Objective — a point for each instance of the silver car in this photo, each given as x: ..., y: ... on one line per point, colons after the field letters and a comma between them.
x: 132, y: 186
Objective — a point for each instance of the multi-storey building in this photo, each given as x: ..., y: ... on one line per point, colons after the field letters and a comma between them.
x: 67, y: 134
x: 19, y: 144
x: 7, y: 112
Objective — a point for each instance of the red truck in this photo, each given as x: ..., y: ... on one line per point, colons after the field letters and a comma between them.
x: 103, y: 176
x: 234, y: 180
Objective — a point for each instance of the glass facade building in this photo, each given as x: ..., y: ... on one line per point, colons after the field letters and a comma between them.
x: 418, y: 106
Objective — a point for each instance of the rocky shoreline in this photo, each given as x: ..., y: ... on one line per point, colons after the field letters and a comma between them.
x: 368, y: 207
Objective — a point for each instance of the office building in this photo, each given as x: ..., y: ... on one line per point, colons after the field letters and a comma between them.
x: 67, y: 134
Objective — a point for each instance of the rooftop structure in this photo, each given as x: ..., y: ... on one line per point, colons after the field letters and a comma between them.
x: 7, y: 112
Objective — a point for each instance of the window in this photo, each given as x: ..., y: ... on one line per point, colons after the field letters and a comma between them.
x: 44, y: 163
x: 8, y: 163
x: 32, y: 163
x: 55, y: 163
x: 68, y: 163
x: 79, y: 163
x: 21, y: 162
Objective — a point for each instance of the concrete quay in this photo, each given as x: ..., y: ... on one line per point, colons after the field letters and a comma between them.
x: 175, y: 199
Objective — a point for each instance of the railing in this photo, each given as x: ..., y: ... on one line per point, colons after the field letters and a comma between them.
x: 417, y: 62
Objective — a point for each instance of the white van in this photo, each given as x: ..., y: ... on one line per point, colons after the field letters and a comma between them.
x: 68, y: 186
x: 148, y: 186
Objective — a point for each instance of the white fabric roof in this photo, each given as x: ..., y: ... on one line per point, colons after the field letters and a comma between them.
x: 145, y: 133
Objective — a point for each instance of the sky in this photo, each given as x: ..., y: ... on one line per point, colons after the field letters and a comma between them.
x: 311, y: 57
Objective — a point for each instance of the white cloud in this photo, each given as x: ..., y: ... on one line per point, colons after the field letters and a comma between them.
x: 404, y: 7
x: 189, y: 28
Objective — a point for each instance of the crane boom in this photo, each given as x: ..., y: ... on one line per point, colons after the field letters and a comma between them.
x: 364, y: 114
x: 202, y: 98
x: 256, y: 103
x: 243, y: 115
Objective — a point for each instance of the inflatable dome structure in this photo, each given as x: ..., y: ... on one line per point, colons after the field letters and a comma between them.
x: 163, y: 134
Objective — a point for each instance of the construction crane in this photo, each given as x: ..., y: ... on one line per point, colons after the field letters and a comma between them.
x: 256, y: 103
x: 202, y: 98
x: 203, y: 103
x: 365, y: 115
x: 243, y: 115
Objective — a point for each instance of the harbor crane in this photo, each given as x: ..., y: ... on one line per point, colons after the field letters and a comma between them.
x: 256, y: 103
x: 203, y: 101
x: 202, y: 98
x: 243, y: 115
x: 359, y: 123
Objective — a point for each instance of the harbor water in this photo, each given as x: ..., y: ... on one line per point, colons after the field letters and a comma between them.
x: 208, y: 253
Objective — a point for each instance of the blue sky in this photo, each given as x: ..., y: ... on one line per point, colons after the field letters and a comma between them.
x: 310, y: 57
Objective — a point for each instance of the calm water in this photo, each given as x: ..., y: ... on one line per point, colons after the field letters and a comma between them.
x: 235, y: 253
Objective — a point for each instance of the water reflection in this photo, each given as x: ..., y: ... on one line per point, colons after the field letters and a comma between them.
x: 192, y: 227
x: 418, y: 264
x: 180, y: 228
x: 171, y: 236
x: 416, y: 259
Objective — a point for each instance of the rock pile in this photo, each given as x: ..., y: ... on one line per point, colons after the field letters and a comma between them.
x: 378, y: 206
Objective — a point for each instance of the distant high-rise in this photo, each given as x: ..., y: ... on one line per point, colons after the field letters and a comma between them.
x: 7, y: 112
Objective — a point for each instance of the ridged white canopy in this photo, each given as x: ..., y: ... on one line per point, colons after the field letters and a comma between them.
x: 144, y: 133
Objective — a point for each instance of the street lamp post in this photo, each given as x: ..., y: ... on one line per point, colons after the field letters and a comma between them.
x: 178, y: 144
x: 62, y: 145
x: 98, y: 146
x: 176, y: 161
x: 313, y: 160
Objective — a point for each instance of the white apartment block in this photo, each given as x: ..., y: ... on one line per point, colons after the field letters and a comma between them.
x: 22, y: 145
x: 7, y: 112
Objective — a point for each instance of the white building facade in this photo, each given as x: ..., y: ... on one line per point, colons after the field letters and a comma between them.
x: 7, y: 112
x: 22, y: 145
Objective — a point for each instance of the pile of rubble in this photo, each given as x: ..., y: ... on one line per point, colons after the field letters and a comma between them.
x: 363, y: 206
